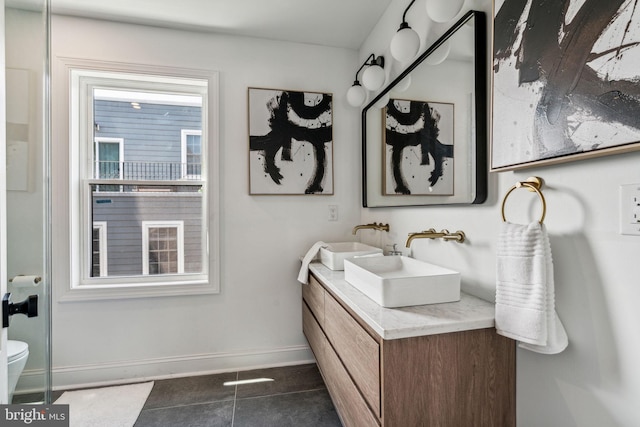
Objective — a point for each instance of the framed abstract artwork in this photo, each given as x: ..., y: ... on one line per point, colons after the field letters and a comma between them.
x: 290, y: 142
x: 418, y: 148
x: 566, y: 80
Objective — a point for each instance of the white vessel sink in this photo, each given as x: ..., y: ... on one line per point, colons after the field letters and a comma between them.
x: 399, y: 281
x: 334, y: 254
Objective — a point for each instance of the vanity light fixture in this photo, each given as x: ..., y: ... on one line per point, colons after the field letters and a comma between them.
x: 373, y: 78
x: 443, y: 10
x: 406, y: 42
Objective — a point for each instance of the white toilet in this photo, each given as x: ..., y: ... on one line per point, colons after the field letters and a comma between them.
x: 17, y: 354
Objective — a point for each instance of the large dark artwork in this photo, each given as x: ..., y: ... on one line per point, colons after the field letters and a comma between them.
x: 290, y: 142
x: 566, y: 80
x: 418, y: 144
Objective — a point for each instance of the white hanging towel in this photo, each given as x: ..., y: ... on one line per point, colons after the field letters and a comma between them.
x: 303, y: 275
x: 525, y: 294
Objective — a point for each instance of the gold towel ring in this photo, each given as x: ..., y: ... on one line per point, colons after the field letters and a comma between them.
x: 533, y: 183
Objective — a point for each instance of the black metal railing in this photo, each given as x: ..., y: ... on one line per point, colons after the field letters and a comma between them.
x: 148, y: 171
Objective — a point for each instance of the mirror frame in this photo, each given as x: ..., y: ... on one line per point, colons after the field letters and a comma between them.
x: 479, y: 103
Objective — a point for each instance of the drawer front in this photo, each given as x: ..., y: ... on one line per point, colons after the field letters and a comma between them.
x: 313, y: 294
x: 315, y: 336
x: 359, y: 352
x: 352, y: 408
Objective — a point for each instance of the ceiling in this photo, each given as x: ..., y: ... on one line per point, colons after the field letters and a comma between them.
x: 337, y: 23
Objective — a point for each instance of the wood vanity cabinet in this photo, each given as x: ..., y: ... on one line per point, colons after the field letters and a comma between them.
x: 457, y: 379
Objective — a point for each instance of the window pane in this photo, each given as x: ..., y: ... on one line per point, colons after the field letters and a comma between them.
x: 150, y: 124
x: 125, y: 212
x: 153, y: 268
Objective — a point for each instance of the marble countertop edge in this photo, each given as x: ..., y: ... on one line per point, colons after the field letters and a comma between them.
x: 396, y: 323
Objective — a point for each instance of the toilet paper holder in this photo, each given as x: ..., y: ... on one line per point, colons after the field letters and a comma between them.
x: 28, y: 307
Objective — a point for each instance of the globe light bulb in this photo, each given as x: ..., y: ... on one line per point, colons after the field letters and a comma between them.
x: 443, y: 10
x: 439, y: 55
x: 403, y: 84
x: 373, y: 77
x: 356, y: 95
x: 405, y: 44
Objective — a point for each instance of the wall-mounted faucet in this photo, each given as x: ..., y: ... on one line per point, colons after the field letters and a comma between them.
x: 431, y: 233
x: 373, y: 226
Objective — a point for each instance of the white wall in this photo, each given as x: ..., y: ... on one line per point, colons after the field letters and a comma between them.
x: 256, y: 319
x: 596, y: 381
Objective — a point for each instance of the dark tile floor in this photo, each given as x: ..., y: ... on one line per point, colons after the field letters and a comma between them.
x: 296, y: 397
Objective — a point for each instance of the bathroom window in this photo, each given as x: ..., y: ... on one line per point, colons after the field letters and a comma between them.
x: 142, y: 150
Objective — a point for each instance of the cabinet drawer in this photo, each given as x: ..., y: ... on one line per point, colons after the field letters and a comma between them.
x: 352, y: 408
x: 313, y: 294
x: 359, y: 352
x: 315, y: 336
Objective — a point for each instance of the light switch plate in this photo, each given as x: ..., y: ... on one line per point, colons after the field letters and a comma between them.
x: 333, y: 212
x: 630, y: 209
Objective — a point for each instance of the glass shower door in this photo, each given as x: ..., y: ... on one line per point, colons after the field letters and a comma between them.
x: 26, y: 46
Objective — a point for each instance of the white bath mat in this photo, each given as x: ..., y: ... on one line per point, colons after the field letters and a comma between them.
x: 117, y: 406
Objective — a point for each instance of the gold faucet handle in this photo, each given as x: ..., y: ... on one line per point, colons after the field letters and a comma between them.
x: 458, y: 236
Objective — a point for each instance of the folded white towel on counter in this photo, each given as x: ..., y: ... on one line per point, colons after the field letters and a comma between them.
x: 525, y: 294
x: 303, y: 276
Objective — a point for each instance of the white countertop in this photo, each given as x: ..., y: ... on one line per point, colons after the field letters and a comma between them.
x: 393, y: 323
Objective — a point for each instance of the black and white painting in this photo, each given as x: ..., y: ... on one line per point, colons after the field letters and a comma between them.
x: 418, y: 148
x: 566, y: 77
x: 290, y: 142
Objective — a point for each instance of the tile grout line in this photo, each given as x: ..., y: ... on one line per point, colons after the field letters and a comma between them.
x: 235, y: 399
x: 284, y: 393
x: 184, y: 405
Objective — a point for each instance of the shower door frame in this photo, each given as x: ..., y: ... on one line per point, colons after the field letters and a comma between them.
x: 43, y: 144
x: 4, y: 375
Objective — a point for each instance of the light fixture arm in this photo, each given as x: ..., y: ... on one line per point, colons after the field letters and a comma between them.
x: 371, y: 60
x: 404, y: 23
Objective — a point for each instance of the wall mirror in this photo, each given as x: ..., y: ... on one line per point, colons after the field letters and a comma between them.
x: 424, y: 137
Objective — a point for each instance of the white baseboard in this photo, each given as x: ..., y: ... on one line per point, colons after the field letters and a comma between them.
x: 103, y: 374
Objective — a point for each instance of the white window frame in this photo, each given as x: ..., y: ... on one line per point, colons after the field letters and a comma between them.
x: 101, y: 226
x: 82, y: 287
x: 183, y: 158
x: 146, y: 225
